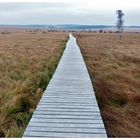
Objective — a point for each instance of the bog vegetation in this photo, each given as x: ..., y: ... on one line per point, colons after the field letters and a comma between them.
x: 114, y: 68
x: 27, y: 63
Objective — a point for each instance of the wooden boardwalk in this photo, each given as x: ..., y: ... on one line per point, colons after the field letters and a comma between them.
x: 68, y: 107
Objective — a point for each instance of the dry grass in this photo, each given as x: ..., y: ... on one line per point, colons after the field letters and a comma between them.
x: 27, y: 62
x: 114, y: 67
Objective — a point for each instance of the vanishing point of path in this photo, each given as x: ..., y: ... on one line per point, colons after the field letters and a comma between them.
x: 68, y: 107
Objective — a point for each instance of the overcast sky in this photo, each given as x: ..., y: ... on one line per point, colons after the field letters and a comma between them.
x: 70, y: 12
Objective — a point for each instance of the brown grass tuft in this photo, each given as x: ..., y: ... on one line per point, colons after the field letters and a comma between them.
x: 2, y: 133
x: 22, y: 103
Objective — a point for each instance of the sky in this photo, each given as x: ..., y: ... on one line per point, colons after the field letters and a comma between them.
x: 89, y: 12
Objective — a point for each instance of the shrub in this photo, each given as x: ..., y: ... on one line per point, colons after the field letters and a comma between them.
x: 21, y: 119
x: 119, y: 102
x: 22, y: 103
x: 42, y: 80
x: 44, y: 32
x: 23, y: 87
x: 39, y: 91
x: 5, y: 32
x: 100, y: 31
x: 14, y: 131
x: 10, y: 110
x: 2, y: 134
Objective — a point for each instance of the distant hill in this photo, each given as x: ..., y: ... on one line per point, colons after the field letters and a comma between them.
x: 83, y: 27
x: 67, y: 26
x: 62, y: 26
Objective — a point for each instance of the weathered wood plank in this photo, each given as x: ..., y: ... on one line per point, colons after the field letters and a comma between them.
x: 65, y: 109
x: 67, y: 129
x: 72, y: 116
x: 79, y: 113
x: 67, y: 106
x: 66, y: 120
x: 69, y: 125
x: 68, y: 103
x: 63, y: 134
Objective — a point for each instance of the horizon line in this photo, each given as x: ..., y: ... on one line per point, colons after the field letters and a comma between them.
x: 65, y: 24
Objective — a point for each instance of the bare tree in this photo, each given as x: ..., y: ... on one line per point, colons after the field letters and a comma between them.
x: 120, y: 25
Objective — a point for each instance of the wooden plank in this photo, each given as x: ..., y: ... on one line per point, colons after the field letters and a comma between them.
x: 68, y: 103
x: 76, y: 96
x: 66, y: 120
x: 68, y: 107
x: 63, y: 135
x: 68, y: 100
x: 67, y: 129
x: 69, y: 125
x: 78, y: 113
x: 72, y: 116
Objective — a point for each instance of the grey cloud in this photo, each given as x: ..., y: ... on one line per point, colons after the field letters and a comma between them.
x: 10, y: 7
x: 61, y: 13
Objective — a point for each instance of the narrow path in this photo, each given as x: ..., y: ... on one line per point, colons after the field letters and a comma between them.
x: 68, y: 107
